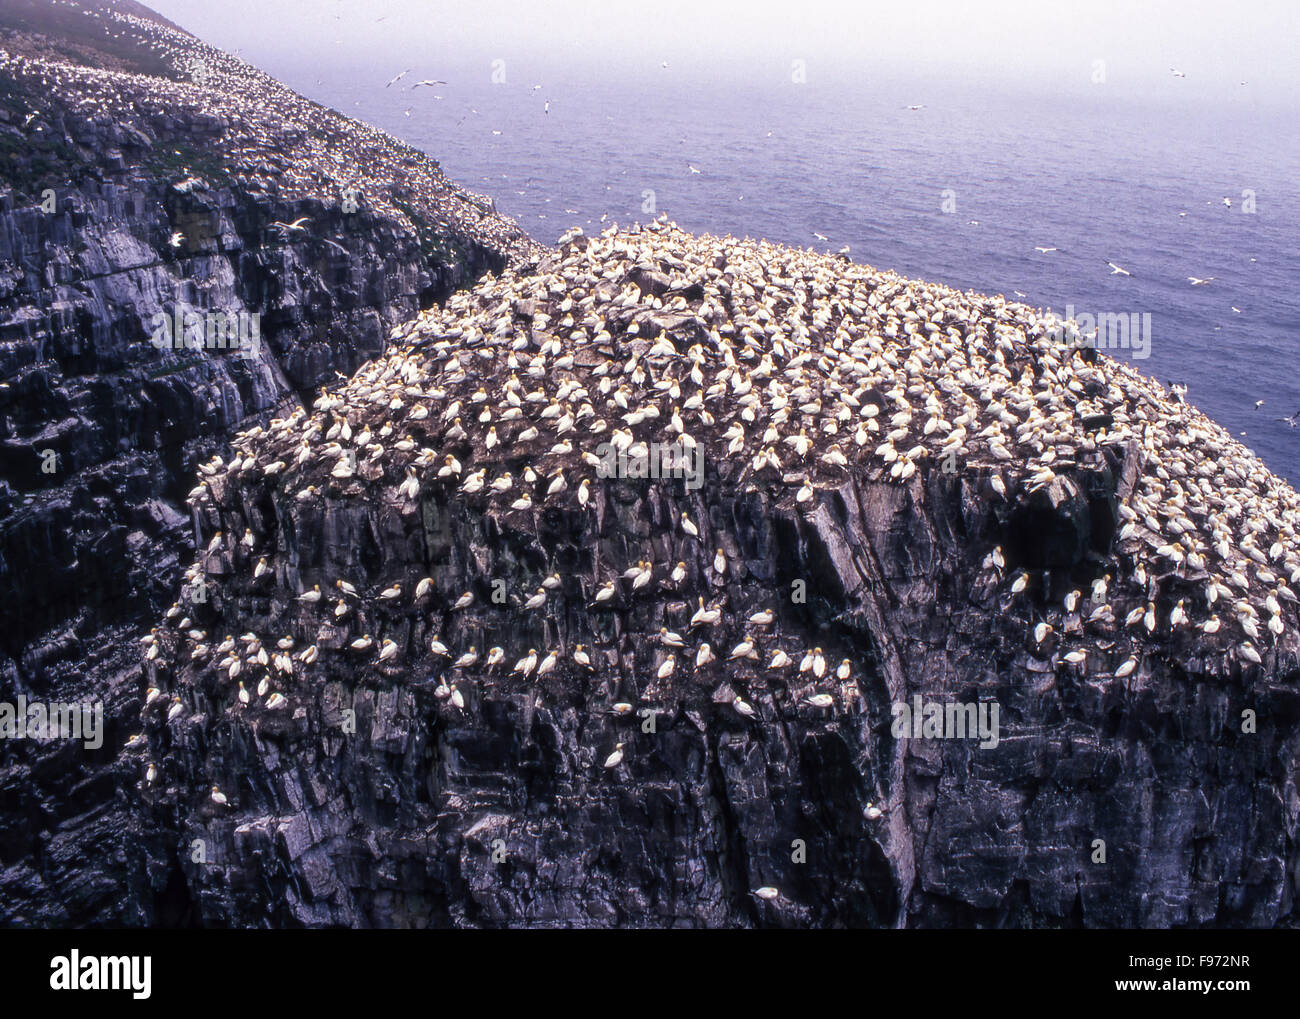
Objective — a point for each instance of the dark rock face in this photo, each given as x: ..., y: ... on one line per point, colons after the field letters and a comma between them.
x: 121, y: 204
x: 397, y: 823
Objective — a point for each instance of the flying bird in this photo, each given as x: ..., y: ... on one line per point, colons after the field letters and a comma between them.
x: 333, y: 244
x: 398, y: 78
x: 427, y: 81
x: 1044, y: 250
x: 1115, y: 270
x: 1197, y: 282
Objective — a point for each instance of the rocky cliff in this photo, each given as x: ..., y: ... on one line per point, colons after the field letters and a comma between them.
x: 147, y: 182
x: 594, y: 594
x: 462, y: 665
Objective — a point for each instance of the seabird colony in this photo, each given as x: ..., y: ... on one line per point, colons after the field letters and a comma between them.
x: 792, y: 372
x: 272, y: 140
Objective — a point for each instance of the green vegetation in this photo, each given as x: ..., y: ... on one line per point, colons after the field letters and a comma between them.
x: 32, y: 161
x: 436, y: 247
x: 174, y: 158
x: 175, y: 368
x: 80, y: 39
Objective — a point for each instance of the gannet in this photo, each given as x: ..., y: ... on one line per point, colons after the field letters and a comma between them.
x: 742, y: 650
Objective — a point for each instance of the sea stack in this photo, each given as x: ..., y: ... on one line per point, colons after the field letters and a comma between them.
x: 967, y: 473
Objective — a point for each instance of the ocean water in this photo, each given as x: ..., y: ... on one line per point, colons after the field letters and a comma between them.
x: 1097, y: 173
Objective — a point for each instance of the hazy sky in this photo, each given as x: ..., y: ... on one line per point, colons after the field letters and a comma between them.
x: 1037, y: 43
